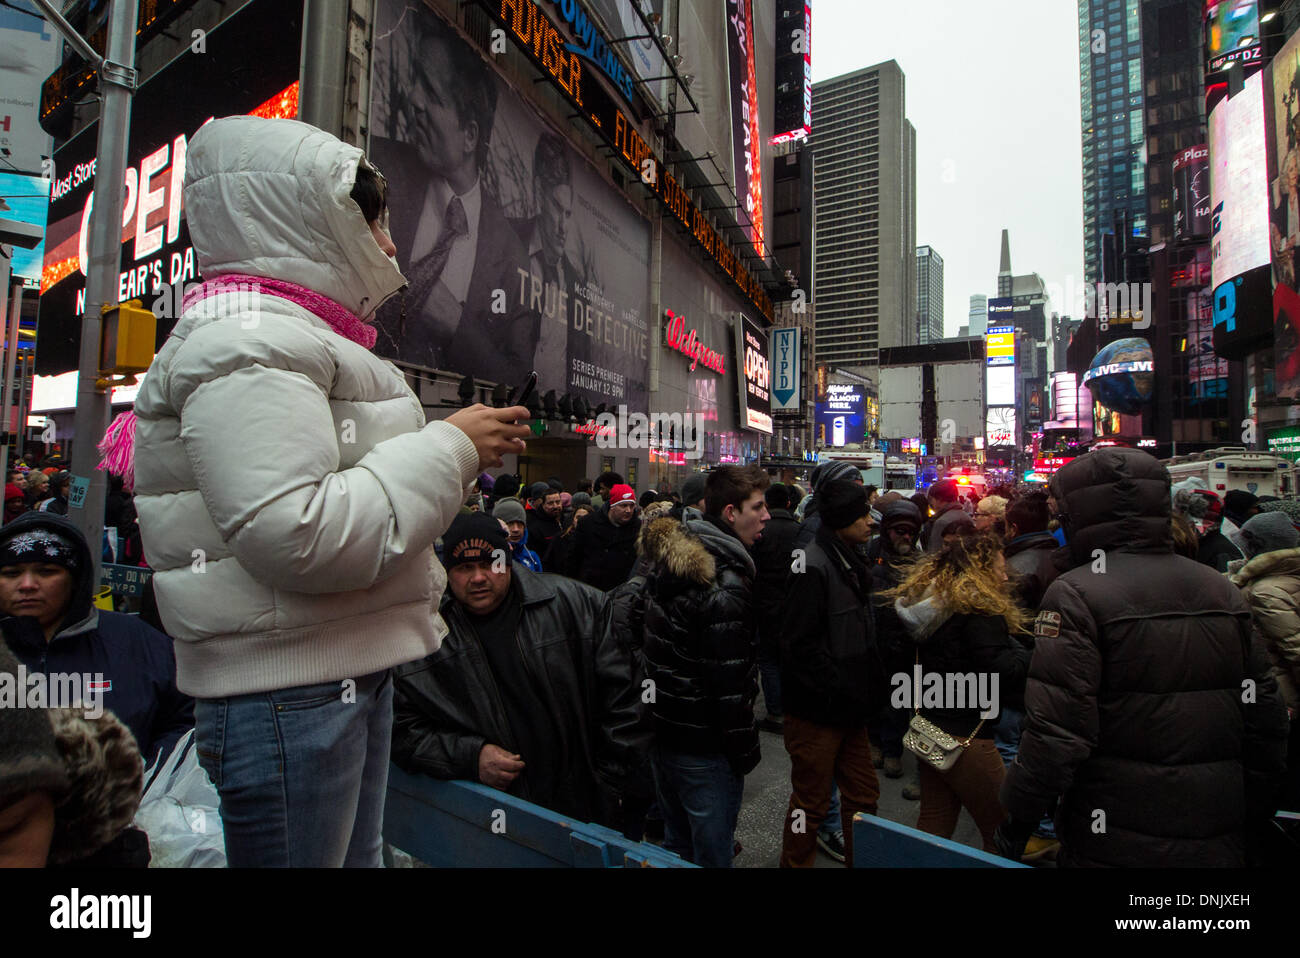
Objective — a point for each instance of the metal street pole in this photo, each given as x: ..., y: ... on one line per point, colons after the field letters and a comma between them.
x: 117, y: 82
x: 11, y: 356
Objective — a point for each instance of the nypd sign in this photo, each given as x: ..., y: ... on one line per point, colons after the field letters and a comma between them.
x: 785, y: 370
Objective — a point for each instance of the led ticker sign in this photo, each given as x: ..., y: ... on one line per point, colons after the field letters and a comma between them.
x: 594, y: 48
x: 1111, y: 369
x: 792, y: 110
x: 1000, y: 345
x: 689, y: 345
x: 1231, y: 33
x: 541, y: 42
x: 76, y: 78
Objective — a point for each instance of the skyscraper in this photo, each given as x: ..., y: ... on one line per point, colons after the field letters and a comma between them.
x: 978, y: 317
x: 1111, y: 98
x: 929, y: 295
x: 864, y: 190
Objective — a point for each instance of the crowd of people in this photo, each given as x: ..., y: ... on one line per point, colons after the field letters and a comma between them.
x: 1101, y: 672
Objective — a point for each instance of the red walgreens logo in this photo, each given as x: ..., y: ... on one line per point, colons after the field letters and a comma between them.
x: 689, y: 345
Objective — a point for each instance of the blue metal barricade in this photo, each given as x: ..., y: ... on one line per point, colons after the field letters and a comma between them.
x: 880, y: 843
x: 467, y: 825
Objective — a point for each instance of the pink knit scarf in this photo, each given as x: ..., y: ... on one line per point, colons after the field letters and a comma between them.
x: 340, y: 319
x: 118, y: 445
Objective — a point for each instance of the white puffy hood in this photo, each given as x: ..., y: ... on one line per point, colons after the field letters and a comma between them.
x: 271, y: 198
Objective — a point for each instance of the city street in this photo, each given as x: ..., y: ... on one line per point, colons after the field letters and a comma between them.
x: 767, y: 794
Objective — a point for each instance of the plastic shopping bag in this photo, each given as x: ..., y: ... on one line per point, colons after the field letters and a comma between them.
x: 179, y: 812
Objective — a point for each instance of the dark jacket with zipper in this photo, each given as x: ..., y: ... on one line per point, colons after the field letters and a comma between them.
x: 603, y: 553
x: 448, y: 705
x: 772, y: 559
x: 1135, y: 702
x: 700, y: 643
x: 1031, y: 566
x: 831, y: 669
x: 951, y: 644
x: 137, y: 663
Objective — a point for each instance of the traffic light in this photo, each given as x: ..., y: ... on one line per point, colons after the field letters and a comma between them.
x: 548, y: 403
x: 500, y: 395
x: 580, y: 410
x: 466, y: 390
x: 127, y: 334
x: 566, y: 407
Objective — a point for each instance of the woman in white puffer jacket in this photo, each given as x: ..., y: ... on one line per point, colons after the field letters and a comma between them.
x: 289, y: 491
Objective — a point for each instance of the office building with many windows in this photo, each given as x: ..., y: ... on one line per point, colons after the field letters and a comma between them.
x: 929, y: 295
x: 864, y: 190
x: 1111, y: 100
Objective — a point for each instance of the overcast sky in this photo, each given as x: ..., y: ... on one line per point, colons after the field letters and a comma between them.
x: 992, y: 88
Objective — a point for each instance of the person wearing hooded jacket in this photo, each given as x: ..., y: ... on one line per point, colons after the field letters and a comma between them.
x: 889, y: 556
x: 822, y: 473
x: 832, y: 676
x: 1270, y: 581
x: 289, y: 491
x: 54, y: 628
x: 1135, y: 704
x: 701, y: 653
x: 961, y: 616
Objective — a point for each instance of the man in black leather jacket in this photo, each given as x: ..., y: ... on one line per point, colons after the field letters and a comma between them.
x: 529, y: 693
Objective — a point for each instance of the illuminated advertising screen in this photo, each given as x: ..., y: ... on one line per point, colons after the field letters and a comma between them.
x: 1000, y: 345
x: 746, y: 146
x: 1231, y: 33
x: 1112, y: 369
x: 1065, y: 399
x: 28, y: 199
x: 792, y: 109
x: 754, y: 375
x: 841, y: 418
x: 1284, y: 198
x: 1001, y: 382
x: 157, y: 257
x: 1000, y: 426
x: 1239, y: 226
x: 999, y: 312
x: 1192, y: 193
x: 31, y: 52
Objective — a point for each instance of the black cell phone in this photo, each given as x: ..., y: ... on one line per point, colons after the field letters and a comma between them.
x: 529, y: 388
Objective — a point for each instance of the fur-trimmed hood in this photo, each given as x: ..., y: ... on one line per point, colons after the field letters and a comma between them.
x: 691, y: 550
x: 1283, y: 562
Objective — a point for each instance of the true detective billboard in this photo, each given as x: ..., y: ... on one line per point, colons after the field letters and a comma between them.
x: 519, y: 256
x: 1192, y: 193
x: 165, y: 112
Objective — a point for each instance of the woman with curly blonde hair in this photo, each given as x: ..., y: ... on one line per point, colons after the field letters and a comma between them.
x: 960, y: 612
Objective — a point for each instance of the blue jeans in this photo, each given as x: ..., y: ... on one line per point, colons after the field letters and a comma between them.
x: 831, y: 823
x: 769, y: 673
x: 699, y: 796
x: 301, y: 772
x: 1007, y: 739
x: 1007, y: 734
